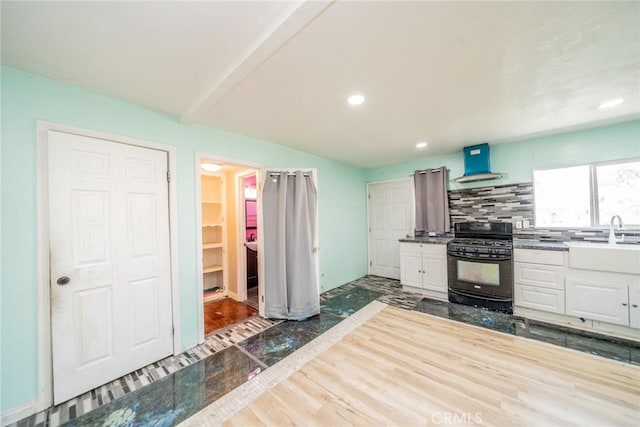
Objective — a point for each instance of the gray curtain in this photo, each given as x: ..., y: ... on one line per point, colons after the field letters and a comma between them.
x: 289, y: 211
x: 432, y: 201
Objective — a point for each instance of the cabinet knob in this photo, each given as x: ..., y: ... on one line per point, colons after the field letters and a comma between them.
x: 634, y: 305
x: 419, y: 271
x: 624, y: 304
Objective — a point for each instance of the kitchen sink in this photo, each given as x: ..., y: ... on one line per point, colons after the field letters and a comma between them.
x: 618, y: 258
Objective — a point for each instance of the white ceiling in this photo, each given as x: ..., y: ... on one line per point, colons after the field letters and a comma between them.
x: 450, y: 73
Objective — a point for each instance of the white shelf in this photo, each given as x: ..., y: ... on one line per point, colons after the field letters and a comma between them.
x: 212, y: 269
x: 211, y: 245
x: 211, y: 202
x: 211, y: 225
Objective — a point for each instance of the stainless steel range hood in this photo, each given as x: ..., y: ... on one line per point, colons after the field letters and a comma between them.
x: 477, y: 165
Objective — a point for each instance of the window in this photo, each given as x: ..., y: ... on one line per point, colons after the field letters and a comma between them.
x: 587, y: 196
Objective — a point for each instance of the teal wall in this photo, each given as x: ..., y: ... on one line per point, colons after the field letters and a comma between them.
x: 27, y: 98
x: 518, y: 160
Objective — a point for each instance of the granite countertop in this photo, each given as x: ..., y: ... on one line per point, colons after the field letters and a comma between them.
x: 542, y: 245
x: 517, y: 243
x: 429, y: 240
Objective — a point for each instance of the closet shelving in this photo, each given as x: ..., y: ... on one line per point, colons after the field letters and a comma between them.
x: 213, y: 231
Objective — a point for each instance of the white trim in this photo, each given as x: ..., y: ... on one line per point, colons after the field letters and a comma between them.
x: 199, y: 267
x: 241, y: 255
x: 17, y: 413
x: 368, y: 200
x: 412, y: 216
x: 590, y: 325
x: 198, y: 196
x: 44, y: 398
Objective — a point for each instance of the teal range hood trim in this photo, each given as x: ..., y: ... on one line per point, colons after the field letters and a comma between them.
x: 477, y: 165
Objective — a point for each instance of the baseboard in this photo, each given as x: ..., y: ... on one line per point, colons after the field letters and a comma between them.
x: 233, y: 295
x: 442, y: 296
x: 577, y: 323
x: 13, y: 415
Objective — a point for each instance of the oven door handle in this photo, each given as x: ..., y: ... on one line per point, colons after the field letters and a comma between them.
x: 479, y: 257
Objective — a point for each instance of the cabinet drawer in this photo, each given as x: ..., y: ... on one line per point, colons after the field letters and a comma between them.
x: 435, y: 249
x: 544, y: 276
x: 539, y: 257
x: 411, y: 248
x: 423, y: 248
x: 543, y: 299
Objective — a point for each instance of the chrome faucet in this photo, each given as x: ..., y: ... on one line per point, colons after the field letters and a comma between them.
x: 612, y: 235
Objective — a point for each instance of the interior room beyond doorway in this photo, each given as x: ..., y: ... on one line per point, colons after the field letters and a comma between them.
x: 229, y: 240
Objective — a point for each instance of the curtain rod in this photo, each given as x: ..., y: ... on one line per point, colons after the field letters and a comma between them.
x: 423, y: 171
x: 276, y: 173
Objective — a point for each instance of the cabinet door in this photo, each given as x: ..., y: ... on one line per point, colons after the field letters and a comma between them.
x: 598, y: 300
x: 434, y: 272
x: 539, y: 298
x: 634, y: 306
x: 411, y: 269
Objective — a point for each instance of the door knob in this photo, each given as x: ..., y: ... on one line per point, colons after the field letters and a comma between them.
x: 63, y: 280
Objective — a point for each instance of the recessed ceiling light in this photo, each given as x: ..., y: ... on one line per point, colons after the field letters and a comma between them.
x: 211, y: 167
x: 611, y: 103
x: 355, y: 99
x: 421, y: 144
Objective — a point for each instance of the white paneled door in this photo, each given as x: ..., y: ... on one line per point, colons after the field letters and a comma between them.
x: 110, y: 261
x: 390, y: 219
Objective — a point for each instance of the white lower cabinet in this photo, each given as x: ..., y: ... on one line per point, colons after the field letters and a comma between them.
x: 543, y: 281
x: 424, y: 266
x: 539, y: 280
x: 603, y: 300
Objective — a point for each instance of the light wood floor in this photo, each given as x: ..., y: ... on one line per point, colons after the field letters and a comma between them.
x: 408, y: 368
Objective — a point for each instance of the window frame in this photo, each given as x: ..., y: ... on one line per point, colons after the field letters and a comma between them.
x: 594, y: 202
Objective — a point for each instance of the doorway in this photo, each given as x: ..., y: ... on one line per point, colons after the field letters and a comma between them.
x: 248, y: 275
x: 227, y: 241
x: 390, y: 215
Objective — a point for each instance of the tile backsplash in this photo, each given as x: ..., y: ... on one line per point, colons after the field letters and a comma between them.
x: 500, y: 203
x: 514, y: 202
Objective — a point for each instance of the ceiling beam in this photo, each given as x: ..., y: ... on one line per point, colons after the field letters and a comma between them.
x: 276, y: 35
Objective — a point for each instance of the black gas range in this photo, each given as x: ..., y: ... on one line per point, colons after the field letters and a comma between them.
x: 480, y: 265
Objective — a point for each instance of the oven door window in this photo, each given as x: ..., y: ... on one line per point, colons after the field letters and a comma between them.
x: 478, y: 272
